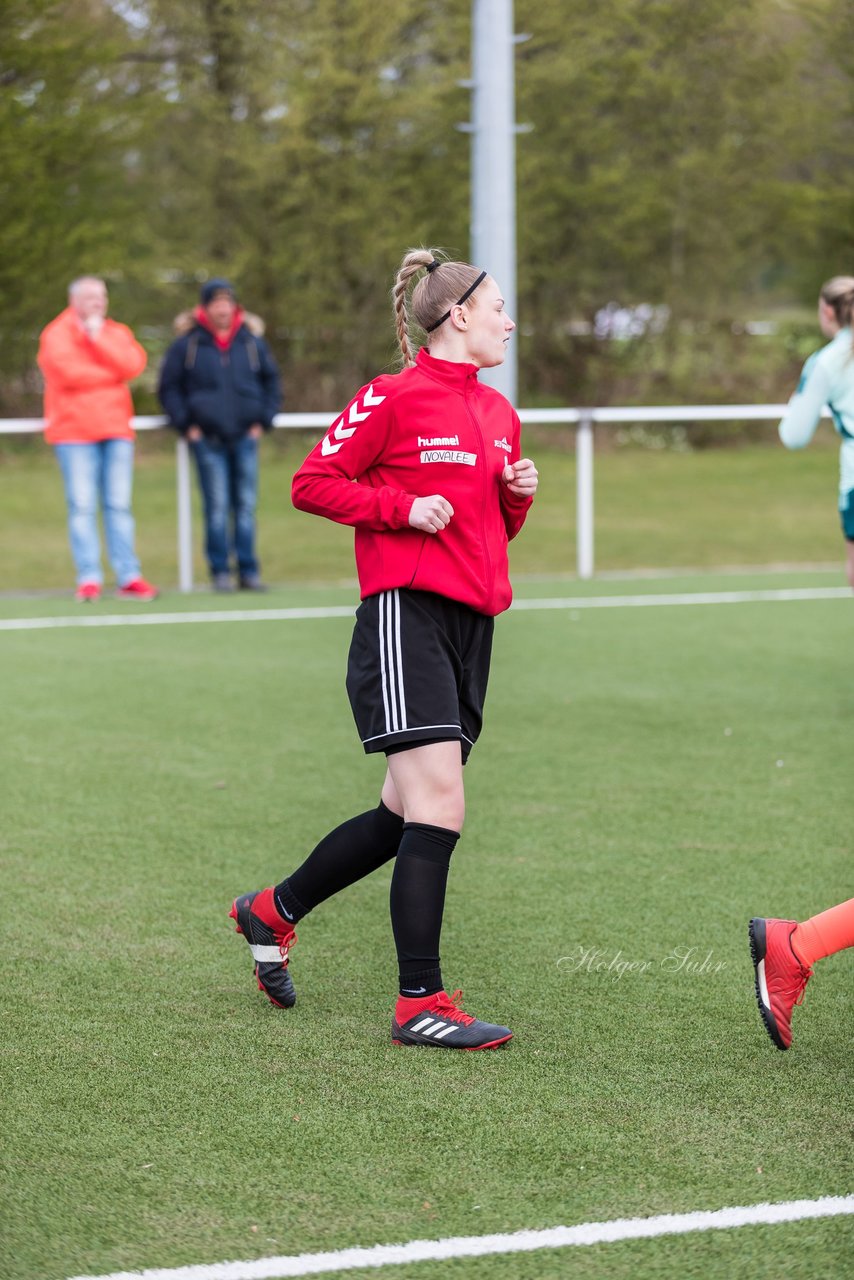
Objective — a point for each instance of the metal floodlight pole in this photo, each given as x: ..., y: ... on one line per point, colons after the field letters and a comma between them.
x: 493, y: 168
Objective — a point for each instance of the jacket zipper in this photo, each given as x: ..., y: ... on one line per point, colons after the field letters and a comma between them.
x: 228, y: 383
x: 489, y: 584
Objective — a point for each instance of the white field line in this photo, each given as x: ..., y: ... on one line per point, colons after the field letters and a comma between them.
x: 682, y: 598
x: 171, y: 619
x: 348, y: 611
x: 587, y: 1233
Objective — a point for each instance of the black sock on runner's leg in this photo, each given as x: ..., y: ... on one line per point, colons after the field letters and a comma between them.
x: 417, y: 903
x: 347, y: 854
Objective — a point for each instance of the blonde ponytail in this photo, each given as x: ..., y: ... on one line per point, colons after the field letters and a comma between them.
x: 414, y: 260
x: 441, y: 286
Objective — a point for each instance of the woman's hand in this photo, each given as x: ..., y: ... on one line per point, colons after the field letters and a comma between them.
x: 431, y: 515
x: 521, y: 478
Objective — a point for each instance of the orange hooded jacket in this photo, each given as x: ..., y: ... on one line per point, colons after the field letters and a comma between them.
x: 86, y: 396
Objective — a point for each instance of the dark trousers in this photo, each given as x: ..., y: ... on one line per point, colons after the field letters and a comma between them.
x: 228, y: 478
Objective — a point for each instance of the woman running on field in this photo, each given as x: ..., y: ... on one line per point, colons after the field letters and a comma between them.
x: 828, y: 379
x: 784, y: 951
x: 439, y: 491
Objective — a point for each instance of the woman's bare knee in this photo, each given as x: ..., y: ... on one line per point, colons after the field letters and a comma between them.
x: 429, y: 782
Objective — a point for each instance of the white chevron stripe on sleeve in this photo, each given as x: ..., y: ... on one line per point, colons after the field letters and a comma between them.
x: 354, y: 415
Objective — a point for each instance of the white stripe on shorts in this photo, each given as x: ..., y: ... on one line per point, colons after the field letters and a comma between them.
x: 398, y: 656
x: 391, y: 662
x: 420, y: 728
x: 382, y: 657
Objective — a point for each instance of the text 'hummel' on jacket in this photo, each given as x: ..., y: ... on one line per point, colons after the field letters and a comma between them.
x: 223, y: 391
x: 431, y: 429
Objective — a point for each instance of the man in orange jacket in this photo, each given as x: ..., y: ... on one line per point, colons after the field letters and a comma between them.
x: 87, y: 361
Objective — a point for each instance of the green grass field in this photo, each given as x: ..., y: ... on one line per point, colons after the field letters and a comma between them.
x: 752, y: 505
x: 648, y: 778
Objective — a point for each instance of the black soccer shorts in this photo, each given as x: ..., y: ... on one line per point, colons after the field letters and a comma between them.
x: 418, y: 670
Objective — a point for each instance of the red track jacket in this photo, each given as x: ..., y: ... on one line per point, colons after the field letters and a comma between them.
x: 431, y: 429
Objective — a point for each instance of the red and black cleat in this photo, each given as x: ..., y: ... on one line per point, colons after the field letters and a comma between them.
x: 438, y: 1022
x: 270, y: 937
x: 781, y: 978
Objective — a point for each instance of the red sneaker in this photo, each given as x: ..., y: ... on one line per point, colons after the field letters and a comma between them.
x: 139, y: 589
x: 270, y: 938
x: 88, y: 593
x: 780, y: 976
x: 438, y: 1021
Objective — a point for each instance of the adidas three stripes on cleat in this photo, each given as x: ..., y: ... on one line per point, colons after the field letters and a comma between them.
x: 270, y: 938
x: 438, y: 1022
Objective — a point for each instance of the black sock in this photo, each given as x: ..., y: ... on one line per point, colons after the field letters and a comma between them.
x: 348, y: 853
x: 417, y: 905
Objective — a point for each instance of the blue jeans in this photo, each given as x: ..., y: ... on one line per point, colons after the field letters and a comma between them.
x: 100, y: 471
x: 228, y: 478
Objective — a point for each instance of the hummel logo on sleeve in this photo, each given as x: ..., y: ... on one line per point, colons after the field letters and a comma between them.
x: 340, y: 432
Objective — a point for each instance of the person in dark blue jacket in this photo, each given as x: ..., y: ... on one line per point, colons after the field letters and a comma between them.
x: 220, y: 387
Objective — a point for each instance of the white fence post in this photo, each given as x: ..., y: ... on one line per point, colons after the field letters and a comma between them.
x: 584, y: 494
x: 185, y: 516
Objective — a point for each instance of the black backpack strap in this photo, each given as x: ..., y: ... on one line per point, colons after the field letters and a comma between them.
x: 253, y: 354
x: 192, y: 348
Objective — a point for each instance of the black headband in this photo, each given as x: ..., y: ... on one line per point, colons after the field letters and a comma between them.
x: 459, y: 302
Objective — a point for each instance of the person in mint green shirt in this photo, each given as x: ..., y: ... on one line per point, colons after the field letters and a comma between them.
x: 828, y: 379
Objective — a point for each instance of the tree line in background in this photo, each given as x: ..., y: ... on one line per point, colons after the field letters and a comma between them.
x: 692, y: 164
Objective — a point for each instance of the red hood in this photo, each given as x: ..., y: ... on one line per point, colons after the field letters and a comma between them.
x: 222, y: 340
